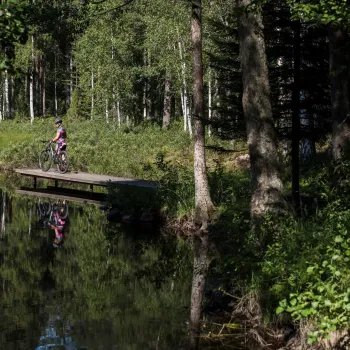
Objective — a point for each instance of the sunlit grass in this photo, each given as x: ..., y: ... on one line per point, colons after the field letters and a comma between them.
x: 10, y: 137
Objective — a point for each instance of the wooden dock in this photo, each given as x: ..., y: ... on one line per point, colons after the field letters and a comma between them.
x: 63, y: 194
x: 86, y: 178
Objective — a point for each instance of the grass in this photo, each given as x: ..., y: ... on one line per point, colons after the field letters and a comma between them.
x: 145, y: 151
x: 9, y: 137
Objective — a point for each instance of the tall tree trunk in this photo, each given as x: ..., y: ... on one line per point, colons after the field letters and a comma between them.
x: 68, y: 76
x: 31, y: 86
x: 12, y: 97
x: 92, y: 96
x: 6, y: 95
x: 1, y: 101
x: 209, y: 102
x: 118, y: 114
x: 204, y: 205
x: 296, y: 119
x: 144, y: 97
x: 167, y: 102
x: 265, y: 165
x: 3, y: 214
x: 43, y: 84
x: 107, y: 112
x: 340, y: 90
x: 55, y: 88
x: 184, y: 94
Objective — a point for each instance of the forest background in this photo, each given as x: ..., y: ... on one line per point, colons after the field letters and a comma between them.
x: 259, y: 110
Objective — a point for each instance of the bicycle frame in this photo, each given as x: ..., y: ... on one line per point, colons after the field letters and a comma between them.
x: 52, y: 150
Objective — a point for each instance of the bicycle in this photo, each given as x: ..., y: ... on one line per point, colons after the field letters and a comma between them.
x: 47, y: 210
x: 49, y: 155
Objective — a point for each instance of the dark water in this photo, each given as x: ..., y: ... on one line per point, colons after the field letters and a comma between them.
x: 71, y: 280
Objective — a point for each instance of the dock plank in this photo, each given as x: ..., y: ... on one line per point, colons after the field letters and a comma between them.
x: 44, y: 193
x: 87, y: 178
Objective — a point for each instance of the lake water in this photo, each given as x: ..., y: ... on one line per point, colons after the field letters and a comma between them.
x: 71, y: 280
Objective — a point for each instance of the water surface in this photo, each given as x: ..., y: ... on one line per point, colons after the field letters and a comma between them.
x: 76, y: 281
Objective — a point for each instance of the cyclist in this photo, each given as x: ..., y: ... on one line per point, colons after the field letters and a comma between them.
x: 61, y: 136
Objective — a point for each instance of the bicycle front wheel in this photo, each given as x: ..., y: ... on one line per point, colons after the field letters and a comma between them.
x: 45, y: 160
x: 62, y: 162
x: 62, y: 208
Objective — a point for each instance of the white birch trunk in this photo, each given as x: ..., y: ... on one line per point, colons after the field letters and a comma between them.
x: 187, y: 118
x: 6, y: 94
x: 71, y: 78
x: 107, y: 112
x: 114, y: 108
x: 118, y: 114
x: 144, y: 102
x: 1, y: 106
x: 3, y: 226
x: 30, y: 222
x: 31, y: 86
x: 209, y: 103
x: 1, y: 115
x: 92, y: 95
x: 56, y: 102
x: 183, y: 106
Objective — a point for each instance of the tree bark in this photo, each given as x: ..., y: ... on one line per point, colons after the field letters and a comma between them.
x: 31, y: 86
x: 265, y: 165
x: 210, y: 107
x: 184, y: 94
x: 167, y: 102
x: 43, y: 83
x: 339, y: 91
x: 203, y: 204
x: 7, y: 96
x: 68, y: 76
x: 92, y: 97
x: 55, y: 89
x: 296, y: 119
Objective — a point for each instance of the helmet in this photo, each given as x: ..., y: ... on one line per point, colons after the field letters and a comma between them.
x: 58, y: 120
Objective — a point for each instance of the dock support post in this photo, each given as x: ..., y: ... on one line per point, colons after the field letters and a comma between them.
x: 56, y: 183
x: 34, y: 183
x: 91, y: 188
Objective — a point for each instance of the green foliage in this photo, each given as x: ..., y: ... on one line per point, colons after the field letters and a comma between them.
x: 13, y: 30
x: 322, y: 11
x: 324, y: 294
x: 176, y: 187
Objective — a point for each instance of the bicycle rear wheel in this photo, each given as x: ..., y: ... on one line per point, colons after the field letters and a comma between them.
x: 62, y: 162
x: 45, y: 160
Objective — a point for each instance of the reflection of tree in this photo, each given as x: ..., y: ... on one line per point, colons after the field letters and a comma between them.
x: 110, y: 290
x: 109, y: 287
x: 108, y: 282
x: 200, y: 272
x: 20, y: 276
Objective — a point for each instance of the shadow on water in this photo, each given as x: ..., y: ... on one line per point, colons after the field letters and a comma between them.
x: 69, y: 279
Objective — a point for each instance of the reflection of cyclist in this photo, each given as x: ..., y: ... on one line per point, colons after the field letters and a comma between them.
x: 61, y: 136
x: 58, y: 225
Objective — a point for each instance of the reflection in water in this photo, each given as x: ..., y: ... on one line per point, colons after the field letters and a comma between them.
x: 55, y: 216
x: 200, y: 272
x: 105, y: 288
